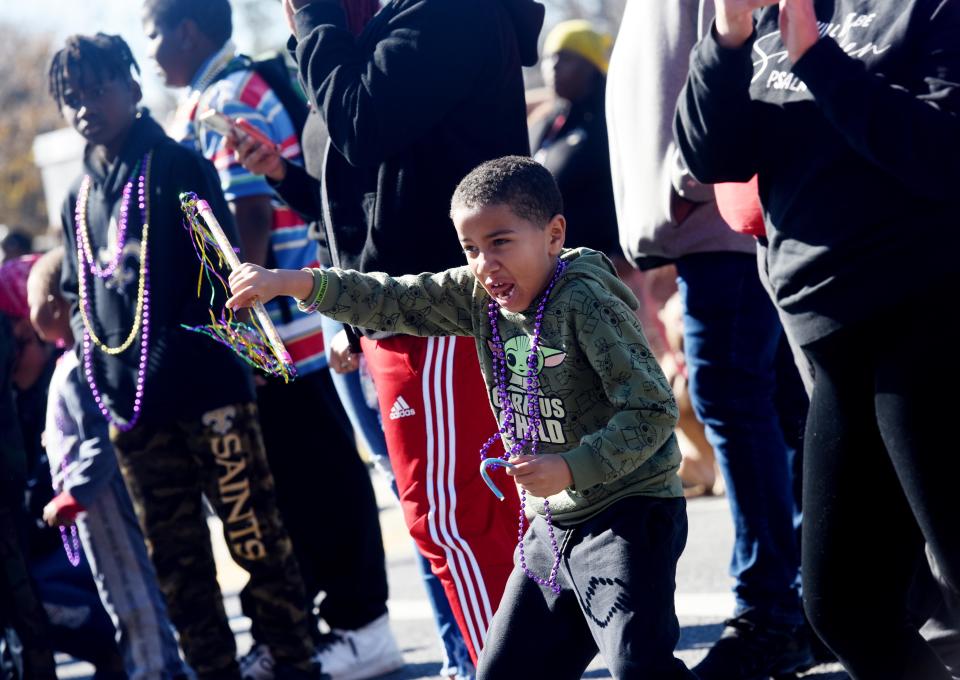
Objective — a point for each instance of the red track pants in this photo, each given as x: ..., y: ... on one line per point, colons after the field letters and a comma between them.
x: 436, y: 416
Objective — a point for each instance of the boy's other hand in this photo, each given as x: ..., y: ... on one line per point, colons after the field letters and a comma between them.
x: 342, y: 358
x: 543, y: 475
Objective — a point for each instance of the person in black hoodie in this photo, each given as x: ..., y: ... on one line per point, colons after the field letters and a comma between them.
x: 849, y: 112
x: 182, y: 412
x: 429, y: 90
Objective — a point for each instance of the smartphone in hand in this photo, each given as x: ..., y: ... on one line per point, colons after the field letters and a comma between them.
x: 225, y: 125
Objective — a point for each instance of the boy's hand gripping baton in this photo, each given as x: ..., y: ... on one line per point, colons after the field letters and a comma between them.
x: 230, y: 257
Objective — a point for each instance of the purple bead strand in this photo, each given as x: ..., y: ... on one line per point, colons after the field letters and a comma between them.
x: 531, y: 436
x: 88, y: 368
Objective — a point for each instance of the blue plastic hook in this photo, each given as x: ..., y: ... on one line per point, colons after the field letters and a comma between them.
x: 489, y: 463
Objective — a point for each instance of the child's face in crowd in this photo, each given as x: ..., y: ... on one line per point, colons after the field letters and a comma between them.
x: 100, y: 110
x: 513, y: 258
x: 167, y: 48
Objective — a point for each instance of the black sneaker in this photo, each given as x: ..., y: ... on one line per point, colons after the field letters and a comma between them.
x: 749, y: 650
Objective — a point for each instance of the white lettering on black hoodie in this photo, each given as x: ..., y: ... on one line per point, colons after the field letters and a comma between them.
x: 857, y: 148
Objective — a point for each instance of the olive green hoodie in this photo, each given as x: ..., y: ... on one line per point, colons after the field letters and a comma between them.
x: 606, y: 406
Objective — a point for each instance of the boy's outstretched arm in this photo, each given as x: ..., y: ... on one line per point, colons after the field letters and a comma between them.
x: 423, y: 305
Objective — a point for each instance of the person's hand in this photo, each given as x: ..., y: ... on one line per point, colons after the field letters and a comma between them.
x: 734, y: 20
x: 52, y: 516
x: 258, y: 158
x: 251, y: 282
x: 798, y: 27
x: 342, y: 358
x: 543, y: 475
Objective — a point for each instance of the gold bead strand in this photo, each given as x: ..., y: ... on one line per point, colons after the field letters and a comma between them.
x: 141, y: 284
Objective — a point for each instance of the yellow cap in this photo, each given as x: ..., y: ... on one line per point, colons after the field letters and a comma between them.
x: 579, y: 37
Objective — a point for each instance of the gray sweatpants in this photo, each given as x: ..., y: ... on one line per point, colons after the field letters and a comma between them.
x: 617, y: 577
x: 127, y: 583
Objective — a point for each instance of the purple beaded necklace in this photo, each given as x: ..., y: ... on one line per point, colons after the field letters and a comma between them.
x: 84, y: 243
x: 85, y: 257
x: 530, y: 437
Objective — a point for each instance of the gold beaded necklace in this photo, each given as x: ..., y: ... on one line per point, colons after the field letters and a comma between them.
x: 82, y: 233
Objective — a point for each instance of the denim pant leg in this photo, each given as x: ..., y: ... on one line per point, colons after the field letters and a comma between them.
x: 731, y: 335
x: 365, y: 420
x: 366, y: 423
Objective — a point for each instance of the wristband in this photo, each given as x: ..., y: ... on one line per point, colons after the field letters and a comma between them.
x: 312, y: 302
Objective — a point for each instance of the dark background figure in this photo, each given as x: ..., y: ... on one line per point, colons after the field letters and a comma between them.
x: 15, y: 244
x: 45, y: 600
x: 571, y: 140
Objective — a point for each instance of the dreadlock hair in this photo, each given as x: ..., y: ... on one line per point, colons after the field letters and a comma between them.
x: 214, y: 18
x: 107, y: 56
x: 520, y: 183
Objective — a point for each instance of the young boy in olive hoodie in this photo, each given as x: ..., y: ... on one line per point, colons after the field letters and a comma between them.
x: 606, y: 470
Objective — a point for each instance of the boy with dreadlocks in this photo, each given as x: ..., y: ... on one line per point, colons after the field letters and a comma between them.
x: 182, y: 412
x: 585, y: 414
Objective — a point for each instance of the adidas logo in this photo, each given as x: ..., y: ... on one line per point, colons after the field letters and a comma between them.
x: 401, y: 409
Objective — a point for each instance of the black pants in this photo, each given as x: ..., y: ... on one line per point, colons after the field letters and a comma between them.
x: 617, y: 578
x: 326, y: 499
x: 880, y: 479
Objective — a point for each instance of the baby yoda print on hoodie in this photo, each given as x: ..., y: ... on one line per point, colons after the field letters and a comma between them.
x: 606, y: 406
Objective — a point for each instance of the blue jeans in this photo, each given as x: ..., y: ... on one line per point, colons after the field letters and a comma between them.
x: 366, y: 423
x: 732, y: 335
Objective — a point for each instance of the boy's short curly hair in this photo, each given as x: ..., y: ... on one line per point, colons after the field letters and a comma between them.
x: 516, y: 181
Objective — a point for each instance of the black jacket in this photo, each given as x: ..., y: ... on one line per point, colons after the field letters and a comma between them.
x: 857, y: 149
x: 578, y: 155
x: 187, y: 373
x: 428, y: 91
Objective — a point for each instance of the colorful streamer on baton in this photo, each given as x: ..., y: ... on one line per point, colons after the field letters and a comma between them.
x: 257, y: 341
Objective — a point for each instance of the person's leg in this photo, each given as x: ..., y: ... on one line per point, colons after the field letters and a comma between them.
x: 127, y: 582
x: 309, y: 453
x: 623, y: 566
x: 79, y: 625
x: 163, y: 477
x: 731, y: 336
x: 365, y: 421
x: 436, y: 415
x: 19, y: 606
x: 537, y: 633
x: 916, y: 424
x: 859, y: 553
x: 236, y: 479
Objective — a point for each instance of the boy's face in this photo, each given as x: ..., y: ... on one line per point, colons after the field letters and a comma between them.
x: 512, y: 258
x: 167, y: 47
x: 101, y: 110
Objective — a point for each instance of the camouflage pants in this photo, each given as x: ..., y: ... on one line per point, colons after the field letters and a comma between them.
x: 221, y: 456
